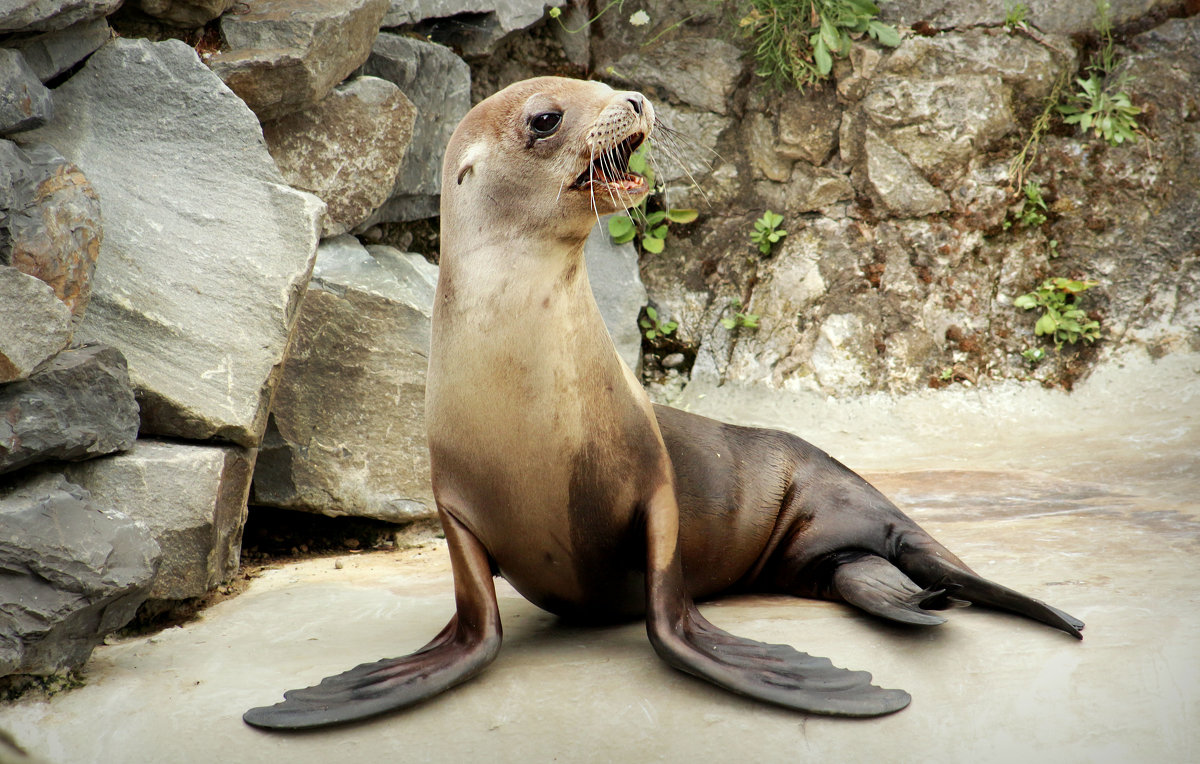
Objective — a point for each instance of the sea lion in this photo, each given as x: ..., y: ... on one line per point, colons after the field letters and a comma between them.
x: 552, y: 469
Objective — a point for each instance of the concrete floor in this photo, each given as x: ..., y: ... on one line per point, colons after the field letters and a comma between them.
x: 1088, y: 501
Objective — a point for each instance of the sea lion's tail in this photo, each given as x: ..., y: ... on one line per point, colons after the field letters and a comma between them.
x: 924, y: 576
x: 930, y: 569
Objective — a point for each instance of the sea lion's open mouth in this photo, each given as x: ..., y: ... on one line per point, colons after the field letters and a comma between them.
x: 610, y: 169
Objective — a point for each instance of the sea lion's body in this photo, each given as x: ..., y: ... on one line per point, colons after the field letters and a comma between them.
x: 552, y: 468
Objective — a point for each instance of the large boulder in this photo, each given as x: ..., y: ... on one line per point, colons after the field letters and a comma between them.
x: 74, y: 571
x: 24, y: 102
x: 206, y: 249
x: 50, y: 223
x: 347, y: 429
x: 51, y: 53
x: 346, y: 149
x: 347, y: 432
x: 191, y: 497
x: 692, y: 70
x: 48, y: 15
x: 284, y: 55
x: 76, y: 406
x: 1066, y: 17
x: 36, y: 323
x: 472, y: 26
x: 186, y: 13
x: 439, y: 84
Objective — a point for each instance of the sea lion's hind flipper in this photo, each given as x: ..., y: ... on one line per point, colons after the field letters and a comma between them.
x: 463, y: 648
x: 878, y: 587
x: 773, y: 673
x: 924, y: 565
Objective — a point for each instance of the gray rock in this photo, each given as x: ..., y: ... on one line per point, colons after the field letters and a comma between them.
x: 24, y: 102
x: 285, y: 55
x: 696, y: 71
x: 50, y: 223
x: 346, y: 149
x: 439, y: 84
x: 806, y: 189
x: 472, y: 26
x: 48, y: 15
x: 76, y: 406
x: 896, y: 185
x: 193, y: 500
x: 206, y: 250
x: 186, y: 13
x: 36, y: 324
x: 613, y: 273
x: 52, y: 53
x: 1064, y: 17
x: 347, y: 432
x: 807, y: 125
x: 689, y: 152
x: 74, y: 572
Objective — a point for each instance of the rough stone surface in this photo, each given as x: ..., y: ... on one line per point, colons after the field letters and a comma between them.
x: 896, y: 184
x: 347, y: 149
x: 50, y: 221
x: 193, y: 500
x: 24, y: 102
x: 76, y: 406
x: 48, y: 15
x: 1061, y: 16
x: 439, y: 84
x: 74, y: 571
x: 472, y: 26
x: 695, y: 71
x: 347, y: 432
x: 36, y: 324
x: 52, y: 53
x: 186, y: 13
x: 613, y: 273
x: 206, y: 250
x: 285, y: 55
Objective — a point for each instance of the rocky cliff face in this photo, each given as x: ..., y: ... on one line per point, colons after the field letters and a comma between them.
x: 204, y: 293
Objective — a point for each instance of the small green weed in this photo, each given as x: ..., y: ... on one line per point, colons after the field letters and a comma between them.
x: 796, y: 40
x: 1101, y: 103
x: 1015, y: 15
x: 1031, y: 214
x: 1061, y: 319
x: 1103, y: 107
x: 767, y: 233
x: 653, y: 225
x: 1034, y: 355
x: 739, y: 319
x: 653, y: 328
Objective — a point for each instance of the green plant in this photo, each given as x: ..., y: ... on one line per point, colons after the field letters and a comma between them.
x: 796, y: 40
x: 653, y: 328
x: 653, y: 225
x: 1101, y: 103
x: 1031, y: 215
x: 767, y: 232
x: 1062, y: 319
x: 739, y: 319
x: 1104, y: 107
x: 1015, y: 15
x: 1034, y: 355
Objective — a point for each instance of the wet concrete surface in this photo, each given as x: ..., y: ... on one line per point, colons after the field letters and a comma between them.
x: 1090, y: 502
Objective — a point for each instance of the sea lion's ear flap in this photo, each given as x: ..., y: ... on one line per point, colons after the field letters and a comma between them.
x: 470, y: 158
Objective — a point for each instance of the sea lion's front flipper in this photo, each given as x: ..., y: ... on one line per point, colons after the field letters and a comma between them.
x: 773, y: 673
x: 927, y: 566
x: 878, y: 587
x: 464, y: 648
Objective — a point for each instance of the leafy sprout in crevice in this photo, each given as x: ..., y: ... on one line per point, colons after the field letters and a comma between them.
x: 795, y: 41
x: 1062, y: 319
x: 767, y: 233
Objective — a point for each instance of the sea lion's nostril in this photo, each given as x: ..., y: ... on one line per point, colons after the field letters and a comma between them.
x: 636, y: 103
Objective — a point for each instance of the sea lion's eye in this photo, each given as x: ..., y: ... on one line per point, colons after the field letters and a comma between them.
x: 546, y: 123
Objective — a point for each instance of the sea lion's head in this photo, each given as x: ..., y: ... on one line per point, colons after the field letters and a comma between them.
x: 550, y: 153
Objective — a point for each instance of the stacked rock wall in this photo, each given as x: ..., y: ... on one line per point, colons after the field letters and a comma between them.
x: 205, y: 300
